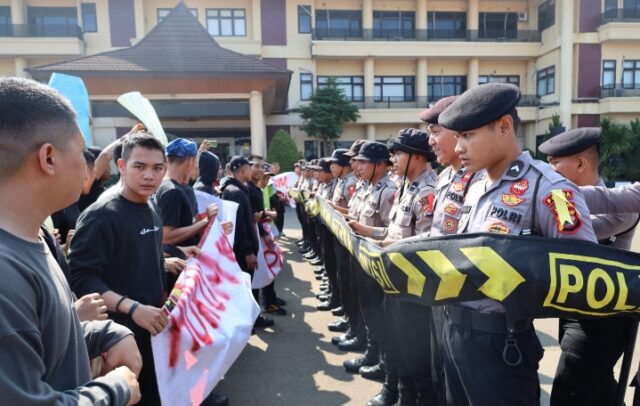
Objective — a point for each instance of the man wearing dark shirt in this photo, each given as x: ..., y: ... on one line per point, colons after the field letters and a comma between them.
x: 117, y: 251
x: 245, y: 245
x: 44, y: 349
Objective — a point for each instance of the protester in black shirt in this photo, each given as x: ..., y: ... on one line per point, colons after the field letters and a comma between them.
x: 209, y: 166
x: 117, y: 251
x: 245, y: 245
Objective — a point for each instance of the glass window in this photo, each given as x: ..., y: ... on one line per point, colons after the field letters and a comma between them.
x: 227, y: 22
x: 498, y: 25
x: 393, y: 24
x: 53, y: 21
x: 608, y: 74
x: 513, y: 79
x: 306, y: 86
x: 631, y: 74
x: 352, y: 86
x: 338, y: 23
x: 5, y: 21
x: 546, y: 14
x: 546, y: 81
x: 89, y: 17
x: 163, y: 12
x: 444, y: 86
x: 631, y: 8
x: 304, y: 19
x: 394, y: 88
x: 446, y: 24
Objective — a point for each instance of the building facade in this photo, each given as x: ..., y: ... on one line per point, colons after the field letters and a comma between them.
x: 579, y: 59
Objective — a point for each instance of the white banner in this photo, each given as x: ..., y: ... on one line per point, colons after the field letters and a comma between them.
x: 270, y: 260
x: 211, y: 313
x: 282, y: 183
x: 227, y: 210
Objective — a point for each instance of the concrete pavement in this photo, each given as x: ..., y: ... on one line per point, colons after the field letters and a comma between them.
x: 294, y: 363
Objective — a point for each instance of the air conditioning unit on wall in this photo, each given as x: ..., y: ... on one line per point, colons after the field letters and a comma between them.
x: 524, y: 16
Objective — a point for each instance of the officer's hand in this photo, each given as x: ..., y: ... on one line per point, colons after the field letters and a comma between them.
x: 150, y: 318
x: 174, y: 265
x: 123, y: 353
x: 355, y: 226
x: 227, y: 227
x: 252, y: 261
x: 91, y: 307
x: 132, y: 382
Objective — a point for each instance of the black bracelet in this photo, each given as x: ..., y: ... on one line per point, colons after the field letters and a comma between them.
x: 120, y: 302
x: 133, y: 308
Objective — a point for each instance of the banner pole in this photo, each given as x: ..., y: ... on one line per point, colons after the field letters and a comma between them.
x: 626, y: 366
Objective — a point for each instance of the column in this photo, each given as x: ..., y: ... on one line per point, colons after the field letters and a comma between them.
x: 371, y: 132
x: 258, y: 129
x: 367, y: 15
x: 256, y: 20
x: 79, y: 6
x: 21, y: 64
x: 566, y: 62
x: 140, y: 21
x: 472, y: 15
x: 421, y: 17
x: 369, y: 74
x: 421, y: 80
x: 18, y: 12
x: 472, y: 76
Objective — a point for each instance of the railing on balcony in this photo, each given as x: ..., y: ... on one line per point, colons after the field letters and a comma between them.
x: 621, y: 15
x: 358, y: 34
x: 423, y: 102
x: 40, y: 30
x: 620, y: 90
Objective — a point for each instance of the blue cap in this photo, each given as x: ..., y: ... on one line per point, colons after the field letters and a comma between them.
x: 182, y: 148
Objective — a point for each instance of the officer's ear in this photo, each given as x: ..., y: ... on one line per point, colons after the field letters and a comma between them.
x: 582, y: 164
x: 505, y: 124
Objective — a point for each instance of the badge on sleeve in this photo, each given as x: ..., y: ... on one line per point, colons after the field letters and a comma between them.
x: 427, y: 203
x: 351, y: 190
x: 567, y: 218
x: 520, y: 187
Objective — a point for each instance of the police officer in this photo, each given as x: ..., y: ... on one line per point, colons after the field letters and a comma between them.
x: 377, y: 202
x: 453, y: 183
x: 408, y: 323
x: 622, y: 199
x: 590, y: 347
x: 326, y: 183
x: 490, y: 359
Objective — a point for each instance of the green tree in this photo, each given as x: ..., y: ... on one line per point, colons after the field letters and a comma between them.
x: 327, y: 112
x: 555, y: 127
x: 283, y: 150
x: 618, y: 146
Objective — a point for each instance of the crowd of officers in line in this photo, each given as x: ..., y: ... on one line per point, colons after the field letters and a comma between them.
x: 466, y: 353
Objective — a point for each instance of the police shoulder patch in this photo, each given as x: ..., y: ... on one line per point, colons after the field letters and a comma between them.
x: 427, y: 203
x: 565, y: 214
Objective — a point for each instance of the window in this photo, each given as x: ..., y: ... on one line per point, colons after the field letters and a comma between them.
x: 338, y: 23
x: 446, y: 24
x: 53, y: 21
x: 393, y: 88
x: 352, y: 86
x: 608, y: 74
x: 227, y: 22
x: 513, y: 79
x: 546, y: 79
x: 631, y: 9
x: 498, y: 25
x: 310, y: 150
x: 546, y: 14
x: 393, y: 24
x: 304, y: 19
x: 163, y: 12
x: 5, y: 21
x: 443, y: 86
x: 89, y: 18
x: 306, y: 86
x: 631, y: 74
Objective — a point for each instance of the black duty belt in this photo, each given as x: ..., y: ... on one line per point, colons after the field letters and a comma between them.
x: 495, y: 323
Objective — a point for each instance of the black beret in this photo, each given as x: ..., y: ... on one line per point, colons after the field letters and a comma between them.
x: 571, y: 142
x: 480, y: 106
x: 355, y: 148
x: 431, y: 115
x: 324, y: 164
x: 374, y: 152
x: 339, y: 157
x: 413, y: 141
x: 236, y: 162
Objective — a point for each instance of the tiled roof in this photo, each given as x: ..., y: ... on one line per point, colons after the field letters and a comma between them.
x: 178, y: 44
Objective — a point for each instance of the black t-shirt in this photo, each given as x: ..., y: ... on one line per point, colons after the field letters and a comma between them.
x: 65, y: 220
x: 91, y: 197
x: 118, y: 246
x: 176, y: 204
x: 257, y: 203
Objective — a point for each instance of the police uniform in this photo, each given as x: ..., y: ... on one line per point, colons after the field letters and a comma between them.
x: 591, y: 347
x: 409, y: 323
x: 488, y: 359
